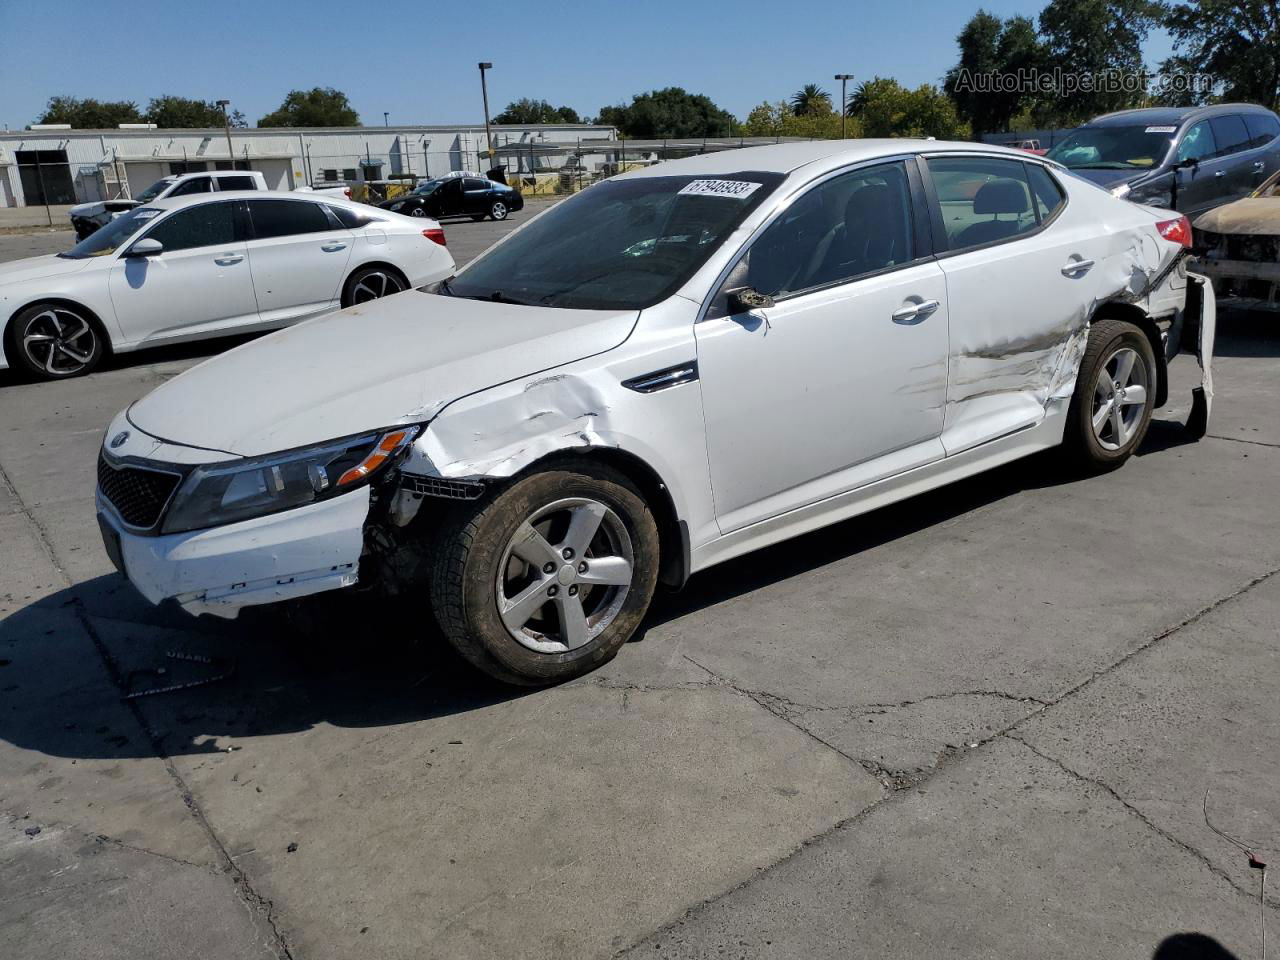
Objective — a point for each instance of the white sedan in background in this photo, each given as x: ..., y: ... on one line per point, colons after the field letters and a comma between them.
x: 208, y: 265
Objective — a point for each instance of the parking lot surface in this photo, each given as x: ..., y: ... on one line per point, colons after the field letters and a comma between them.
x: 981, y: 723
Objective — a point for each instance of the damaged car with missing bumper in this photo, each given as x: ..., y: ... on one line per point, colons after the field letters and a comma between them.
x: 1238, y: 246
x: 676, y: 367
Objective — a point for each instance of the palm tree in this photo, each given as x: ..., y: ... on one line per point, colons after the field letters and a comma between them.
x: 810, y: 99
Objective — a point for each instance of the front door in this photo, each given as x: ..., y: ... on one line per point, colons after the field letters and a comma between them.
x: 842, y: 381
x: 298, y: 256
x: 1201, y: 172
x: 199, y: 282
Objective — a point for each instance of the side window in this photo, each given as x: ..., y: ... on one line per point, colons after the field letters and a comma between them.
x: 237, y: 183
x: 286, y: 218
x: 1230, y: 135
x: 983, y: 200
x: 1197, y: 143
x: 195, y: 185
x: 204, y: 225
x: 471, y: 184
x: 847, y: 227
x: 349, y: 218
x: 1048, y: 196
x: 1263, y: 128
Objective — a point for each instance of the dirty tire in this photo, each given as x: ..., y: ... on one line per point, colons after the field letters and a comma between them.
x: 474, y: 547
x: 54, y: 341
x: 1091, y: 449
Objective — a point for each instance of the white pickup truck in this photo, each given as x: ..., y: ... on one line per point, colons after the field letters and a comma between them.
x: 88, y: 217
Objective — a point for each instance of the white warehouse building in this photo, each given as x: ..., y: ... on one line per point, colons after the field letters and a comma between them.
x: 58, y: 165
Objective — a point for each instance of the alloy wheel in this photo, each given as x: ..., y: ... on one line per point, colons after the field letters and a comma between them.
x: 373, y: 285
x: 417, y: 212
x: 564, y: 575
x: 59, y: 341
x: 1120, y: 398
x: 499, y: 211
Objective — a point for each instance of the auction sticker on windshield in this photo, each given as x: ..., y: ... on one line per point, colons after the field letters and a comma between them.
x: 1162, y: 130
x: 736, y: 189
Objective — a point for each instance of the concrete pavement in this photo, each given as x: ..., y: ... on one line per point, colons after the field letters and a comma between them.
x: 977, y: 724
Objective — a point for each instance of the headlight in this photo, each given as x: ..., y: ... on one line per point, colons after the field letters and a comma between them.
x: 220, y: 493
x: 1120, y: 190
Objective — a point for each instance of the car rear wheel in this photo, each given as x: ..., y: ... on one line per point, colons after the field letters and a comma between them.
x: 372, y: 283
x: 549, y: 578
x: 1114, y: 397
x: 54, y: 341
x: 498, y: 211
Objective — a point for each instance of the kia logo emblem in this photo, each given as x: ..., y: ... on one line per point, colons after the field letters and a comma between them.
x: 119, y: 439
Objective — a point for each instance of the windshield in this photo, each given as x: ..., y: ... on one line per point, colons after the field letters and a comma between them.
x: 1115, y: 148
x: 115, y: 234
x: 154, y: 190
x: 619, y: 245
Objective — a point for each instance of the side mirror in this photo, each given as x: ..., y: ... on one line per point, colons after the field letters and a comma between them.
x: 748, y: 299
x: 146, y: 247
x: 1187, y: 164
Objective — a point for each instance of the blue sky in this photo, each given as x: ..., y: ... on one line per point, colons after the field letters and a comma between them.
x: 421, y: 65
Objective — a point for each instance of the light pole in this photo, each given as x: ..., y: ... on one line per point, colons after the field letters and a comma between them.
x: 484, y: 92
x: 386, y: 118
x: 844, y: 105
x: 226, y: 125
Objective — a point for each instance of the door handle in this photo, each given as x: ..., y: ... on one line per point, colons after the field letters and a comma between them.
x: 912, y: 313
x: 1076, y: 267
x: 333, y: 247
x: 1220, y: 173
x: 228, y: 260
x: 1259, y: 165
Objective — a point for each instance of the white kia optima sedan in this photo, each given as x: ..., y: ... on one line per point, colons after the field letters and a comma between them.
x: 669, y: 369
x: 207, y: 265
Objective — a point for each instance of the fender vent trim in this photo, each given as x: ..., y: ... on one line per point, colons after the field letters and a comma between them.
x: 662, y: 379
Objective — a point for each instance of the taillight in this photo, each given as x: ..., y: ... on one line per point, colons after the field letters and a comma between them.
x: 1176, y: 231
x: 436, y: 234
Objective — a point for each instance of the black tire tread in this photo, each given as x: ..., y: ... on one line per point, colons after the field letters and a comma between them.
x: 1077, y: 441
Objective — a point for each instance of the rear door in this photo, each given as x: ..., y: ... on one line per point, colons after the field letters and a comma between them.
x: 298, y: 254
x: 1018, y: 263
x: 476, y: 195
x: 1237, y: 172
x: 1264, y: 128
x: 200, y: 282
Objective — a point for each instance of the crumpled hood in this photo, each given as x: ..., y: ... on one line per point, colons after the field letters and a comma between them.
x: 1257, y: 216
x: 396, y: 360
x: 37, y: 268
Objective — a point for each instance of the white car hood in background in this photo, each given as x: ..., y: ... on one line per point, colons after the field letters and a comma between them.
x: 395, y: 360
x: 37, y: 268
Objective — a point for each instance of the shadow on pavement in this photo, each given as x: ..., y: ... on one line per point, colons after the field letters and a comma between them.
x: 363, y: 666
x: 1191, y: 946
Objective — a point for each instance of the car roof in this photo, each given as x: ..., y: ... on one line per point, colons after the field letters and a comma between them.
x: 174, y: 203
x: 1171, y: 115
x: 787, y: 157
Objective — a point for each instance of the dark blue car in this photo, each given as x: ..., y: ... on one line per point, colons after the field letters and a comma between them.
x: 458, y: 197
x: 1190, y: 159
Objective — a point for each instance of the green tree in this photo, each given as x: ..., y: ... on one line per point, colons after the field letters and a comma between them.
x: 526, y: 110
x: 810, y: 99
x: 318, y: 107
x: 1007, y: 48
x: 780, y: 120
x: 169, y: 111
x: 672, y: 112
x: 90, y: 114
x: 885, y: 108
x: 1093, y: 42
x: 1234, y: 42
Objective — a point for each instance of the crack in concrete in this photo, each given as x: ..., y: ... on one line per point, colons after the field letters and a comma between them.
x: 253, y: 900
x: 1256, y: 443
x: 1135, y: 812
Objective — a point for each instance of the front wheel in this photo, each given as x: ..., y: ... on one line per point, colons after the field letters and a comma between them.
x: 498, y: 211
x: 417, y: 212
x: 549, y: 579
x: 55, y: 341
x: 1114, y: 397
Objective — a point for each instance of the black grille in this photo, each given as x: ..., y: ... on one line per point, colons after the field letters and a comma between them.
x: 437, y: 487
x: 138, y: 495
